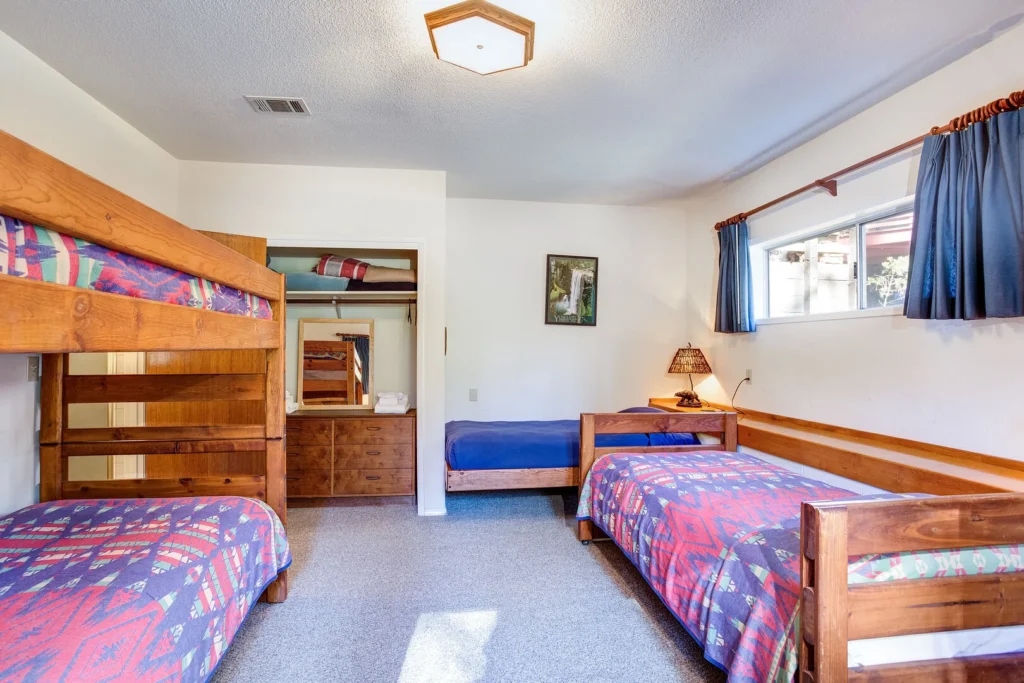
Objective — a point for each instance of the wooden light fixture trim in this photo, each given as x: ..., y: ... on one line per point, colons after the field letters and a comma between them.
x: 485, y: 10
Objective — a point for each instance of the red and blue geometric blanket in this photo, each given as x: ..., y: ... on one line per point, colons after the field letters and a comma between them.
x: 717, y: 537
x: 131, y: 590
x: 37, y: 253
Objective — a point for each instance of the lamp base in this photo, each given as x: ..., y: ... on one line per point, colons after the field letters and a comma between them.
x: 688, y: 399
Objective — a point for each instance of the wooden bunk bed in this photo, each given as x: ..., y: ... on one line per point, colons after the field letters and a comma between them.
x: 58, y: 319
x: 837, y: 595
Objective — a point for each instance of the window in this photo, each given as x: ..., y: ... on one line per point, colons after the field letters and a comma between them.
x: 858, y: 266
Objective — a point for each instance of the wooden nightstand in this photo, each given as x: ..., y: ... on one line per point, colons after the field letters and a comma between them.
x: 669, y: 404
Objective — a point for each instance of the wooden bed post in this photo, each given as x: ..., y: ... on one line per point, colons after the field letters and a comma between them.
x: 731, y: 438
x: 825, y: 595
x: 53, y: 420
x: 277, y: 494
x: 585, y: 528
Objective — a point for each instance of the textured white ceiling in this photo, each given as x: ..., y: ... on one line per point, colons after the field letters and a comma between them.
x: 626, y: 101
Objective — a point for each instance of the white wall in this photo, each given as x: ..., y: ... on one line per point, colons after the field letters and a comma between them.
x: 339, y: 207
x: 46, y: 110
x: 497, y: 340
x: 951, y: 383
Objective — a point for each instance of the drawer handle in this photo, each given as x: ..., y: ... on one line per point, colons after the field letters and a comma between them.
x: 293, y: 429
x: 291, y: 478
x: 373, y: 478
x: 295, y: 453
x: 373, y: 429
x: 373, y: 452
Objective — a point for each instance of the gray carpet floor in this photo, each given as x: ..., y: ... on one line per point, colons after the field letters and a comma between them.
x: 497, y: 590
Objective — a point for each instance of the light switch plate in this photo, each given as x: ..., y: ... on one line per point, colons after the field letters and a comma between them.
x: 473, y: 395
x: 33, y: 368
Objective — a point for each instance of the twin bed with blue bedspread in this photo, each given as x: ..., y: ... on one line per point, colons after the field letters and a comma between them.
x: 525, y: 454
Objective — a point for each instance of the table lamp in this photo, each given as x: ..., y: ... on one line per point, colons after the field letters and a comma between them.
x: 689, y: 361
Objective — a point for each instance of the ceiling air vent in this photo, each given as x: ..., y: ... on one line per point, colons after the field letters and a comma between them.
x: 278, y: 105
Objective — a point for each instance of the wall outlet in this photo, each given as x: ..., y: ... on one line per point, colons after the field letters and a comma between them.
x: 473, y: 395
x: 33, y: 368
x: 748, y: 377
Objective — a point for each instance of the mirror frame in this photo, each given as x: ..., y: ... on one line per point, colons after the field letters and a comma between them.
x: 298, y: 367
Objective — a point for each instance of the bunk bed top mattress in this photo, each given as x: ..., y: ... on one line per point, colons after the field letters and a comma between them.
x: 473, y: 445
x: 37, y: 253
x: 717, y: 536
x: 131, y: 590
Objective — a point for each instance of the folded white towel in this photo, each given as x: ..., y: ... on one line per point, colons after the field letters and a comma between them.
x: 392, y: 399
x: 400, y: 409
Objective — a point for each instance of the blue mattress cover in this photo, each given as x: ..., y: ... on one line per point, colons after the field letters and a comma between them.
x: 515, y: 445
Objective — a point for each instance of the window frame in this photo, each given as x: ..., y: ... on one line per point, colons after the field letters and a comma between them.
x: 855, y: 223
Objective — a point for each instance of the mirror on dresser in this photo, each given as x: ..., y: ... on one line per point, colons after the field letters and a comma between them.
x: 335, y: 363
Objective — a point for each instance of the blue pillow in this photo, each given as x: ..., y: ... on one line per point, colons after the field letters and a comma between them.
x: 659, y: 439
x: 673, y: 439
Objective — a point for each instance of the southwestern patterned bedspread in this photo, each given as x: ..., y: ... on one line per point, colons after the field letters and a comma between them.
x: 38, y: 253
x: 131, y: 590
x: 717, y: 536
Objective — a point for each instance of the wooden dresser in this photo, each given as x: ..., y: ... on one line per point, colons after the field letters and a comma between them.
x: 347, y: 453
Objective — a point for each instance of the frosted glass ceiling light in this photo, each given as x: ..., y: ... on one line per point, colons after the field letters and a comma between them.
x: 481, y: 37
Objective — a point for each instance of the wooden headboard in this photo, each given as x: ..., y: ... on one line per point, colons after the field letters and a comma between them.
x: 722, y: 424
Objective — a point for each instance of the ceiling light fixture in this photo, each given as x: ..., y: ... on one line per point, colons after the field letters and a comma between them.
x: 481, y: 37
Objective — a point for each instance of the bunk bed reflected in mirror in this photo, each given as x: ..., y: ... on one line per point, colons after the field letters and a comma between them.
x: 335, y: 363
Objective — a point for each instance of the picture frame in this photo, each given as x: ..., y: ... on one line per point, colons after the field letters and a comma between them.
x: 570, y: 293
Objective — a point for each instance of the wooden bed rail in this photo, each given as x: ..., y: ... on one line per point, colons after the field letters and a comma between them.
x: 38, y: 188
x: 42, y: 317
x: 722, y: 424
x: 833, y: 612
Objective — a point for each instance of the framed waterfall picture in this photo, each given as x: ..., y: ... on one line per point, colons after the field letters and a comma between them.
x: 571, y: 292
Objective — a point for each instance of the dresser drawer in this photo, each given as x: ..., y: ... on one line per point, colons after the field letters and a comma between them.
x: 308, y: 432
x: 305, y: 458
x: 373, y: 457
x: 374, y: 432
x: 308, y: 483
x: 380, y: 482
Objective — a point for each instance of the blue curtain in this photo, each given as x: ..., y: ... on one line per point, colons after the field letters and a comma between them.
x: 967, y: 249
x: 362, y: 344
x: 735, y: 310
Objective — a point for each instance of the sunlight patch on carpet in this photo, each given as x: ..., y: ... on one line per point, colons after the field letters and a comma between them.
x: 448, y: 647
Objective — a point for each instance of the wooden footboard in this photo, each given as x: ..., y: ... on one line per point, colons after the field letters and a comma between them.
x: 722, y: 424
x: 833, y: 613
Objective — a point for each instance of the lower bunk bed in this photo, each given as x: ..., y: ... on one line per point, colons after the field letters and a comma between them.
x: 484, y: 456
x: 133, y: 590
x: 778, y: 575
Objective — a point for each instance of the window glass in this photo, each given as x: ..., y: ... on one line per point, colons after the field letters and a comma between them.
x: 816, y: 275
x: 887, y: 260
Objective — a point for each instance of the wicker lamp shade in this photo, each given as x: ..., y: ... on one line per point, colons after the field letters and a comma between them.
x: 689, y: 361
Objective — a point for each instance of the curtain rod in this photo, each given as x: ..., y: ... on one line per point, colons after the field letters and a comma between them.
x: 829, y: 183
